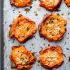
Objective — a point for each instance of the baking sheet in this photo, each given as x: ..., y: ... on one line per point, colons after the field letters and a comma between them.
x: 35, y: 44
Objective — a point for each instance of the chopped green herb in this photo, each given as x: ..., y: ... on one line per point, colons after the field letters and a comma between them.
x: 68, y: 13
x: 32, y: 44
x: 44, y: 44
x: 36, y: 14
x: 51, y: 3
x: 68, y: 18
x: 67, y: 48
x: 65, y: 42
x: 28, y: 29
x: 62, y: 14
x: 46, y: 23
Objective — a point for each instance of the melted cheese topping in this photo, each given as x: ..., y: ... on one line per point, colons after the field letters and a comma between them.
x: 54, y: 27
x: 51, y: 58
x: 22, y: 28
x: 19, y: 56
x: 22, y: 58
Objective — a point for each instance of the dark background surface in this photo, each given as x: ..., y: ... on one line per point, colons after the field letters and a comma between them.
x: 1, y: 35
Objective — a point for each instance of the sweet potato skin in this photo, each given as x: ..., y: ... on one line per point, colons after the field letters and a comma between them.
x: 46, y: 26
x: 48, y: 63
x: 47, y: 4
x: 22, y: 29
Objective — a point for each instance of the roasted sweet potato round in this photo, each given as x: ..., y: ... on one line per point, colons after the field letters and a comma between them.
x: 22, y: 58
x: 22, y: 28
x: 67, y: 2
x: 50, y: 4
x: 53, y: 27
x: 21, y: 3
x: 51, y: 57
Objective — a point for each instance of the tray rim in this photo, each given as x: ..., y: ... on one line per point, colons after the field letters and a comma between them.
x: 2, y: 43
x: 1, y: 37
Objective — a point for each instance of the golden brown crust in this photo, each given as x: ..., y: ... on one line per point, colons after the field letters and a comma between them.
x: 53, y: 27
x: 67, y: 2
x: 51, y: 57
x: 21, y: 3
x: 22, y: 29
x: 50, y: 4
x: 22, y: 58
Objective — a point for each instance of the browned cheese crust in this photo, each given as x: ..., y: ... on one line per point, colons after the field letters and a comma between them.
x: 53, y: 27
x: 22, y: 28
x: 22, y: 58
x: 50, y: 4
x: 67, y: 2
x: 21, y: 3
x: 51, y: 57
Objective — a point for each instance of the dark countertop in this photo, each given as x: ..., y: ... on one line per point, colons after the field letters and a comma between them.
x: 1, y: 35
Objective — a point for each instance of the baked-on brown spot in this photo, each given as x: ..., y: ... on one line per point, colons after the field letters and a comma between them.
x: 21, y: 3
x: 50, y: 4
x: 22, y: 28
x: 67, y: 2
x: 22, y: 58
x: 51, y: 57
x: 53, y: 27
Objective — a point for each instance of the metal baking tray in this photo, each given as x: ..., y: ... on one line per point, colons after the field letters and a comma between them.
x: 36, y: 13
